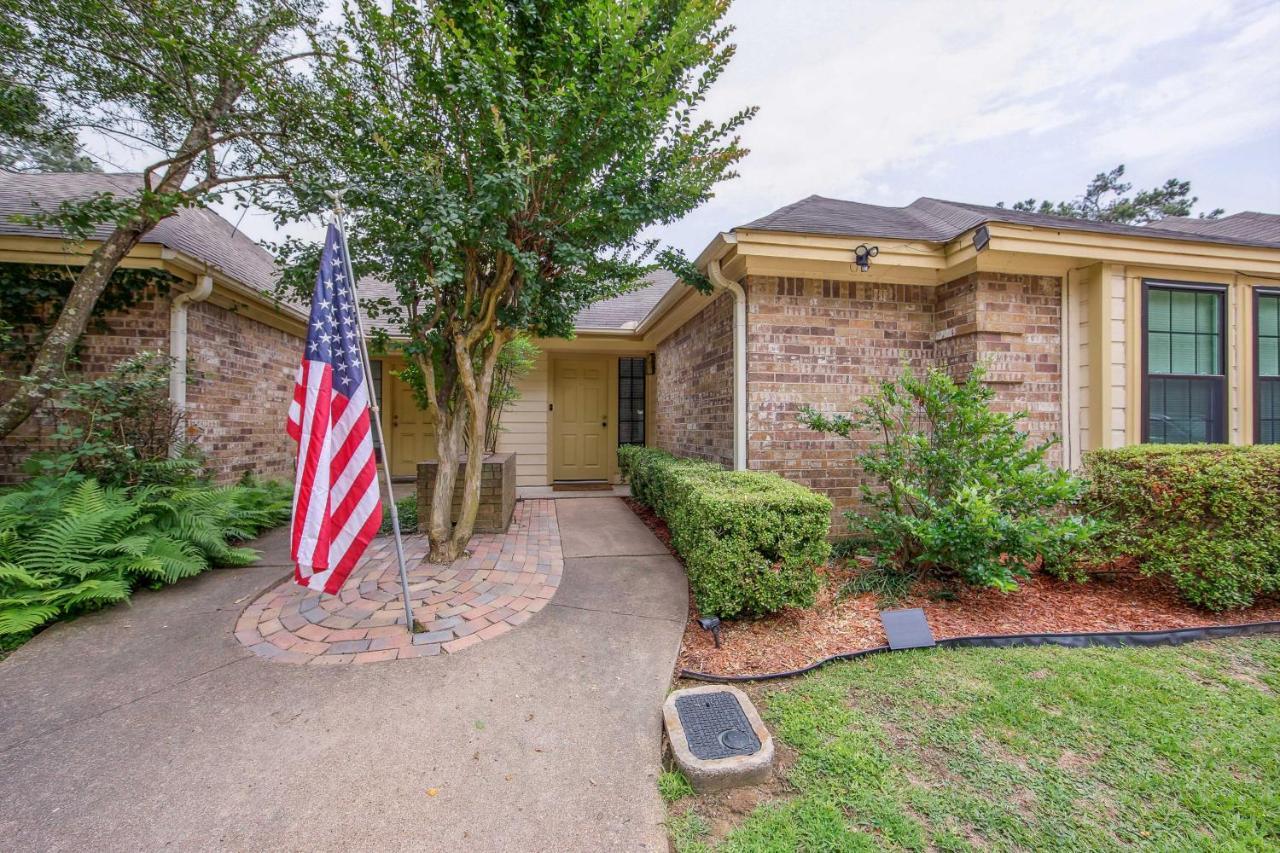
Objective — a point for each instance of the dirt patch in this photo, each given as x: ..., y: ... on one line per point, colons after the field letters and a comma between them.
x: 1074, y: 762
x: 1246, y: 670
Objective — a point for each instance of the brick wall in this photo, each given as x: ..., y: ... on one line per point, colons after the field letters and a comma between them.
x: 694, y: 414
x: 239, y: 384
x: 827, y: 343
x: 1015, y: 326
x: 144, y: 327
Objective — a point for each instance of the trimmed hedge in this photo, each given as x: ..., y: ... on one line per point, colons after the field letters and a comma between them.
x: 751, y: 541
x: 1206, y: 516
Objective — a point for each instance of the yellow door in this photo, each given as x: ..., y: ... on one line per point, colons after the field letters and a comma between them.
x: 580, y: 419
x: 412, y: 433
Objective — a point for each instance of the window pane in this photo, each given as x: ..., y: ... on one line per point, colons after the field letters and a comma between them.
x: 1158, y: 357
x: 1158, y: 310
x: 1269, y: 411
x: 1206, y: 312
x: 1183, y: 411
x: 1269, y: 315
x: 1183, y: 354
x: 1182, y: 315
x: 1268, y: 335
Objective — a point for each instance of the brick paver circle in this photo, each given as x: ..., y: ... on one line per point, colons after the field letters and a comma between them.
x: 500, y: 584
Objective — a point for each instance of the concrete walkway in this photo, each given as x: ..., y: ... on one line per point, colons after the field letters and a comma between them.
x: 150, y: 727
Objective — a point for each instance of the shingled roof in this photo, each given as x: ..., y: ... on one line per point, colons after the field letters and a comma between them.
x: 207, y: 237
x: 628, y: 310
x: 1249, y: 225
x: 935, y: 221
x: 198, y: 232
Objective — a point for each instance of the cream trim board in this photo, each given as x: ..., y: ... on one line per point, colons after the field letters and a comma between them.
x: 1248, y: 356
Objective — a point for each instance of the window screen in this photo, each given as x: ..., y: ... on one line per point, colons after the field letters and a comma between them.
x: 631, y: 401
x: 1268, y: 361
x: 1186, y: 382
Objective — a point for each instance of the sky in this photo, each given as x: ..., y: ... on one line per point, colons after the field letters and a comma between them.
x: 989, y: 101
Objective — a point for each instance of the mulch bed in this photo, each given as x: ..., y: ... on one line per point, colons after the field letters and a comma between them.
x: 794, y: 638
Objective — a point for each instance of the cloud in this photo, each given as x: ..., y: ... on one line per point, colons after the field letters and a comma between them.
x: 852, y: 93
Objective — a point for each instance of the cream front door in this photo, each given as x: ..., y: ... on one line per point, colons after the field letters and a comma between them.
x: 412, y: 432
x: 580, y: 419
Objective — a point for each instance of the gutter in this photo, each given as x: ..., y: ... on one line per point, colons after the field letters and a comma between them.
x: 178, y: 339
x: 721, y: 282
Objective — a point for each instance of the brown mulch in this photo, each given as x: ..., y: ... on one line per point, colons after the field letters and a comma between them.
x: 794, y: 638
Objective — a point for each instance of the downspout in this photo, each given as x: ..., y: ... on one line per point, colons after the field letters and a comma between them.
x: 739, y: 362
x: 1068, y: 374
x: 178, y: 339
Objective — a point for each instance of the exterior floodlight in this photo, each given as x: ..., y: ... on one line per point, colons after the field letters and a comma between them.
x: 863, y: 254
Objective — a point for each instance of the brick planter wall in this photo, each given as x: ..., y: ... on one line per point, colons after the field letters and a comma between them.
x: 497, y: 492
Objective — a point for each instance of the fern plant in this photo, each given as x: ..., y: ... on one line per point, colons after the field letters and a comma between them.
x: 69, y: 546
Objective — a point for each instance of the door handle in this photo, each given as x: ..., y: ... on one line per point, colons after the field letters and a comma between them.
x: 604, y: 422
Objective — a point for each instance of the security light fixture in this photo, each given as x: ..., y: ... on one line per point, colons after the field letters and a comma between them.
x: 981, y: 238
x: 863, y: 254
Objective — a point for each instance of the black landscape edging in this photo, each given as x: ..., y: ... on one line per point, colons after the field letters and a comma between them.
x: 1110, y: 639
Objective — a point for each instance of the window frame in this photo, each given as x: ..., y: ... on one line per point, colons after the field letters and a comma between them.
x: 1219, y: 415
x: 1258, y: 293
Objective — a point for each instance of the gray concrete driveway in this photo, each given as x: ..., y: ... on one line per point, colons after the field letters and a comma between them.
x: 148, y: 727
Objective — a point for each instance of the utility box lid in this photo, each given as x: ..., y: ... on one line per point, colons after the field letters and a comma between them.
x: 717, y: 737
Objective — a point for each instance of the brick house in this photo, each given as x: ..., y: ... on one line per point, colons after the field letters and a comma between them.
x: 1105, y: 334
x: 241, y: 345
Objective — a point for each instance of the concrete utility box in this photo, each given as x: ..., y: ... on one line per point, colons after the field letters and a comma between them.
x: 717, y: 738
x: 497, y: 491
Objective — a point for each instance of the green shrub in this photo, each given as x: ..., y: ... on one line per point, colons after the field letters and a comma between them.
x: 751, y: 541
x: 69, y: 545
x: 957, y: 488
x: 1205, y: 516
x: 119, y: 428
x: 407, y: 510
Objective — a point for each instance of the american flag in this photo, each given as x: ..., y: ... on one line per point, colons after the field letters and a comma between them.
x: 336, y: 506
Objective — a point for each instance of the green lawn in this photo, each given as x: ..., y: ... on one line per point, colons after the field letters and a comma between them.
x: 1097, y: 749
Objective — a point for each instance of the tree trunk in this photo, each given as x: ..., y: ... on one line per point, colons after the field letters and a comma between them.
x: 449, y: 434
x: 51, y: 358
x: 471, y: 480
x: 476, y: 390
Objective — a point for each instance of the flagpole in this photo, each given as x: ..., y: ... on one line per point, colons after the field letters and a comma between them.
x: 374, y: 408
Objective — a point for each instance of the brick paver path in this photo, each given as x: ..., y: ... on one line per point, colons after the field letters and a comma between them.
x: 506, y: 578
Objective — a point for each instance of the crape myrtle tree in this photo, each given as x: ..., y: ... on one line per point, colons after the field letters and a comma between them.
x: 201, y: 91
x: 501, y: 159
